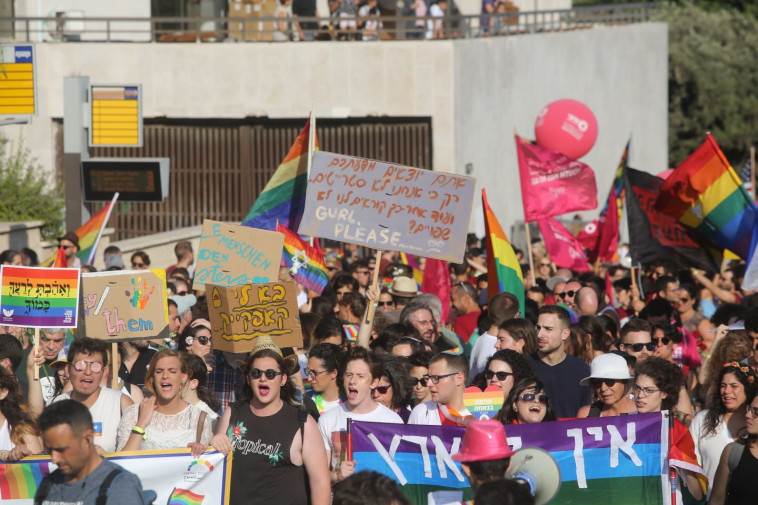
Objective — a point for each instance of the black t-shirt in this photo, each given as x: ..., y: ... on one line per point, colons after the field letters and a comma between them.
x: 138, y: 372
x: 562, y: 384
x: 305, y: 8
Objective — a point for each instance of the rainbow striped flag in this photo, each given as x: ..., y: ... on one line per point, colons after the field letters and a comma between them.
x: 184, y: 497
x: 503, y: 269
x: 305, y: 263
x: 19, y: 481
x: 705, y: 194
x: 283, y: 199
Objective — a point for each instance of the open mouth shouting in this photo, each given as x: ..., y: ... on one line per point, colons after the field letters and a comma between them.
x: 264, y: 390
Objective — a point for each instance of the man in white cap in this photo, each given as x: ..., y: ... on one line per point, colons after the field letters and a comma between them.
x: 403, y: 290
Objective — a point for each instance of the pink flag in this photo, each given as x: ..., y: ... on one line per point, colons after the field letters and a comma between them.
x: 437, y: 282
x: 562, y: 247
x: 552, y: 183
x: 601, y: 236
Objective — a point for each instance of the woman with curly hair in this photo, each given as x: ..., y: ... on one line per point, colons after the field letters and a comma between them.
x: 657, y: 384
x: 19, y: 435
x: 506, y: 368
x: 527, y: 403
x: 394, y: 389
x: 714, y: 428
x: 734, y: 346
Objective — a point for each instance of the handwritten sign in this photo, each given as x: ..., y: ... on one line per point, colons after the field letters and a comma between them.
x: 125, y: 305
x: 241, y: 314
x: 388, y: 207
x: 232, y: 255
x: 39, y: 297
x: 483, y: 404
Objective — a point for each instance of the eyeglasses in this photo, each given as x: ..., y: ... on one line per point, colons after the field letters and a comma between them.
x: 684, y: 300
x: 385, y: 304
x: 204, y: 340
x: 94, y: 366
x: 648, y: 391
x: 436, y: 378
x: 753, y: 411
x: 467, y: 288
x: 313, y: 373
x: 662, y: 340
x: 501, y: 376
x: 416, y: 380
x: 596, y: 383
x: 255, y: 373
x: 567, y: 294
x: 530, y: 397
x: 650, y: 346
x: 544, y: 264
x: 382, y: 390
x: 134, y: 264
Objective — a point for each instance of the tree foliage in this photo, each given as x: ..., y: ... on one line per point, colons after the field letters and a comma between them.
x: 25, y: 194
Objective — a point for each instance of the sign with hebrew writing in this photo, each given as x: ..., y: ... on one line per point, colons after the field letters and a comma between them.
x: 388, y: 207
x: 603, y: 460
x: 125, y: 305
x: 232, y: 255
x: 39, y: 297
x: 483, y: 404
x: 241, y: 314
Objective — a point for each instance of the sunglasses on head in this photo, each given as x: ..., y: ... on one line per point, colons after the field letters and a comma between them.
x: 567, y: 294
x: 416, y: 380
x: 501, y: 376
x: 650, y: 346
x: 530, y: 397
x: 662, y: 340
x: 382, y: 390
x: 270, y: 374
x: 596, y: 383
x: 94, y: 366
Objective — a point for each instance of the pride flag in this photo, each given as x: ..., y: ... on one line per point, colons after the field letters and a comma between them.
x: 410, y: 260
x: 503, y: 269
x: 283, y: 199
x: 184, y: 497
x: 305, y: 263
x: 19, y: 481
x: 705, y: 194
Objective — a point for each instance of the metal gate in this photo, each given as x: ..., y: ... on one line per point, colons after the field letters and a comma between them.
x: 219, y: 167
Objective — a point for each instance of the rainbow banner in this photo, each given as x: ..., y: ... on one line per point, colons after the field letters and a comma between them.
x: 619, y: 460
x: 306, y: 263
x: 503, y: 269
x: 706, y: 194
x: 39, y: 297
x: 175, y: 476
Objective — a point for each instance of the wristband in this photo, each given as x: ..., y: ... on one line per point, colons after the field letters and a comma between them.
x: 139, y: 431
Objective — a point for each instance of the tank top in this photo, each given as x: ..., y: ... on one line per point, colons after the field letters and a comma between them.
x: 263, y: 472
x: 106, y: 416
x: 742, y: 487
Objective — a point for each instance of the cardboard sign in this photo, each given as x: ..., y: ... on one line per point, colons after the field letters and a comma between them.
x: 232, y: 255
x: 241, y: 314
x: 125, y: 305
x: 39, y: 297
x: 388, y: 207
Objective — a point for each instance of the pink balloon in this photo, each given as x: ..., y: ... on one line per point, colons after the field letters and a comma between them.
x: 566, y: 126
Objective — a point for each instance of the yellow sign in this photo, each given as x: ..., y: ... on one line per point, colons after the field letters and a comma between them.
x: 18, y: 81
x: 116, y: 116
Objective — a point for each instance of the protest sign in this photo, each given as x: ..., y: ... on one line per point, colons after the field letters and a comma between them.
x: 241, y: 314
x: 39, y: 297
x: 174, y: 475
x: 232, y: 255
x: 125, y: 305
x: 619, y: 460
x: 388, y: 207
x: 483, y: 404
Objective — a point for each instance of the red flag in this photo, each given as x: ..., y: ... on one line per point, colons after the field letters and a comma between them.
x: 562, y: 247
x: 552, y: 183
x: 436, y: 281
x: 609, y: 230
x: 60, y: 259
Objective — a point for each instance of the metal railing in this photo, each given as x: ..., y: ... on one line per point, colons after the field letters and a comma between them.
x: 72, y: 27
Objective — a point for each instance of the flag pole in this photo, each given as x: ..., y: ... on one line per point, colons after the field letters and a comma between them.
x: 375, y: 285
x: 100, y: 233
x: 752, y: 173
x: 529, y: 249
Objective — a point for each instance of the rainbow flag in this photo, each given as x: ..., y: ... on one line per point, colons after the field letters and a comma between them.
x: 283, y: 199
x: 410, y: 260
x: 705, y: 194
x: 89, y: 235
x: 184, y: 497
x: 19, y: 481
x: 503, y: 269
x: 39, y: 297
x: 305, y: 263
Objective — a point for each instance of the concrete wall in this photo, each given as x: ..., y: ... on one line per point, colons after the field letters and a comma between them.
x: 476, y: 91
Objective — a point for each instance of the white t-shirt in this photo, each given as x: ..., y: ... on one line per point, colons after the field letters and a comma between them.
x: 333, y: 425
x: 429, y: 413
x: 5, y: 437
x: 106, y: 416
x: 708, y: 449
x: 484, y: 347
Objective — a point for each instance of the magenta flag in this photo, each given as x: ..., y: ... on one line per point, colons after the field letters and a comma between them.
x: 552, y: 183
x: 437, y: 282
x: 562, y: 247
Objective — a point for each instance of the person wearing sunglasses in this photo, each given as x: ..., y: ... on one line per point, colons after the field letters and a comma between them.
x: 87, y: 365
x: 70, y: 244
x: 419, y: 363
x: 197, y: 340
x: 385, y: 303
x: 568, y: 295
x: 506, y: 368
x: 447, y: 378
x: 360, y: 375
x: 323, y: 373
x: 140, y: 261
x: 636, y: 339
x: 527, y: 403
x: 276, y: 443
x: 611, y: 383
x: 394, y: 387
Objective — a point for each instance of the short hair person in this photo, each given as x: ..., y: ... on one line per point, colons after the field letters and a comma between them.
x: 447, y: 378
x: 68, y: 434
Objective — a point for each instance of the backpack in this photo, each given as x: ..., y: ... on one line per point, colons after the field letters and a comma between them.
x: 148, y: 496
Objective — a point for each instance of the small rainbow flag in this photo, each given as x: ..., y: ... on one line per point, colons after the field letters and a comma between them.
x: 503, y: 269
x: 19, y: 481
x: 184, y: 497
x: 305, y: 262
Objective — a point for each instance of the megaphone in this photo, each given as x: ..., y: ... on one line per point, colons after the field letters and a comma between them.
x: 537, y: 469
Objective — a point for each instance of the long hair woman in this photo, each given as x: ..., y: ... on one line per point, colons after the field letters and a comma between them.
x: 527, y: 403
x: 19, y: 435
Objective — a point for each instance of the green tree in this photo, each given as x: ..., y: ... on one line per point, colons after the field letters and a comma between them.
x: 25, y: 194
x: 713, y: 79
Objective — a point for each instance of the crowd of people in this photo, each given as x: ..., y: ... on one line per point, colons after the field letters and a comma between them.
x: 611, y: 342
